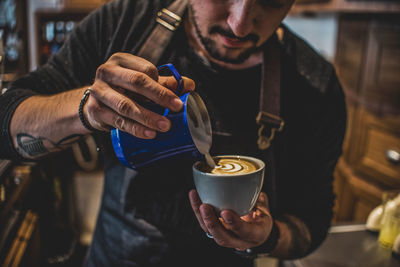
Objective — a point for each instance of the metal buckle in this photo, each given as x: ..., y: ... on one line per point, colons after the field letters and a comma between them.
x: 271, y: 122
x: 172, y: 26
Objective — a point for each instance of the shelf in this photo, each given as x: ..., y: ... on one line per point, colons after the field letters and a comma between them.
x: 8, y: 77
x: 346, y: 6
x: 85, y: 5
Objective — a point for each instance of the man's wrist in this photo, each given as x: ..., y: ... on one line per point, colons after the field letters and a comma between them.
x: 271, y: 242
x: 265, y: 248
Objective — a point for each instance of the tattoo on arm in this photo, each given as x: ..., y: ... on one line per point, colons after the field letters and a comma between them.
x: 33, y: 146
x: 40, y: 146
x: 301, y: 239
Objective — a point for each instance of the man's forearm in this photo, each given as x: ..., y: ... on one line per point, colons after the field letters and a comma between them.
x: 295, y: 238
x: 44, y: 124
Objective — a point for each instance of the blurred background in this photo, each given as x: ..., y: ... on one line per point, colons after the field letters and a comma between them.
x: 48, y: 210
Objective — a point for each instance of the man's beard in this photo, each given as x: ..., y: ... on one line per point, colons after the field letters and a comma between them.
x: 212, y: 49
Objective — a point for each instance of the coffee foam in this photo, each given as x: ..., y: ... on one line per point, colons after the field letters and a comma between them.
x: 230, y: 166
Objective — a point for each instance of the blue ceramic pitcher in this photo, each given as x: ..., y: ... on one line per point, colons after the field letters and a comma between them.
x: 190, y: 134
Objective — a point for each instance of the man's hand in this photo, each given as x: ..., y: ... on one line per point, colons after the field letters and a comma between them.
x: 119, y: 84
x: 231, y: 230
x: 48, y: 123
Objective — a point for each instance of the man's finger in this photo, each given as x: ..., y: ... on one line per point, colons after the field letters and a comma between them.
x: 221, y: 235
x: 263, y: 199
x: 133, y: 62
x: 171, y: 83
x: 241, y: 228
x: 127, y: 108
x: 195, y: 202
x: 140, y: 83
x: 104, y: 117
x: 262, y: 204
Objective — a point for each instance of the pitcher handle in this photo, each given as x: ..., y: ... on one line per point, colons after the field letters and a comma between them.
x: 176, y: 75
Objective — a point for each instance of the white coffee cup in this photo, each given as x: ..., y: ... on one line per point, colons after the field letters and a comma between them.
x: 236, y: 192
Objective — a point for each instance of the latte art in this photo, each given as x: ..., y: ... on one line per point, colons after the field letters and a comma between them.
x: 233, y: 166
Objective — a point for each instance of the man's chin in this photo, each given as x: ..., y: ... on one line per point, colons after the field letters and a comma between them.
x: 228, y: 60
x: 233, y: 57
x: 219, y: 52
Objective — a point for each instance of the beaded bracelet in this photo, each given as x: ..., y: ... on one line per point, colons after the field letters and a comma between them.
x: 80, y: 111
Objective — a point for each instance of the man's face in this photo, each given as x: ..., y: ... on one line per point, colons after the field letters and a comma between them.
x: 232, y: 30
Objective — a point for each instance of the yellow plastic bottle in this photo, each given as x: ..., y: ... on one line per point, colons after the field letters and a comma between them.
x: 390, y: 223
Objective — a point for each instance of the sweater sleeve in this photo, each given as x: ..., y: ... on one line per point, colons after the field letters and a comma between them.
x: 73, y: 66
x: 309, y: 193
x: 329, y: 136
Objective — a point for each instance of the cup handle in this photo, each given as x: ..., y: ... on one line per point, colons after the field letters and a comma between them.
x: 176, y: 75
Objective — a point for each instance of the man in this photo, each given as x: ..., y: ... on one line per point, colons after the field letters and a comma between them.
x: 145, y: 217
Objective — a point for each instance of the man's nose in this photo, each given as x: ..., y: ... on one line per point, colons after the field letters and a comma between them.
x: 241, y: 17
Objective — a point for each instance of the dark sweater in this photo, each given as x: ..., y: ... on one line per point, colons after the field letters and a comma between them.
x: 145, y: 216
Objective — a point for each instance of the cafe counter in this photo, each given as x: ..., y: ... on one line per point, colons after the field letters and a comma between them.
x: 348, y: 246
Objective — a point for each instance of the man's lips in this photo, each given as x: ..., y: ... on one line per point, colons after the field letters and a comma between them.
x: 233, y: 42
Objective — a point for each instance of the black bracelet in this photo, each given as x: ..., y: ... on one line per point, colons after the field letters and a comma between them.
x: 265, y: 248
x: 80, y: 111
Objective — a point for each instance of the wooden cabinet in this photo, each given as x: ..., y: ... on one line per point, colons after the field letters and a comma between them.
x: 374, y: 6
x: 368, y: 65
x: 79, y: 4
x: 376, y: 137
x: 380, y: 84
x: 355, y: 197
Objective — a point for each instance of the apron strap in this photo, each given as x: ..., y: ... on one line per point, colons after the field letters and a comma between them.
x: 269, y: 115
x: 168, y: 21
